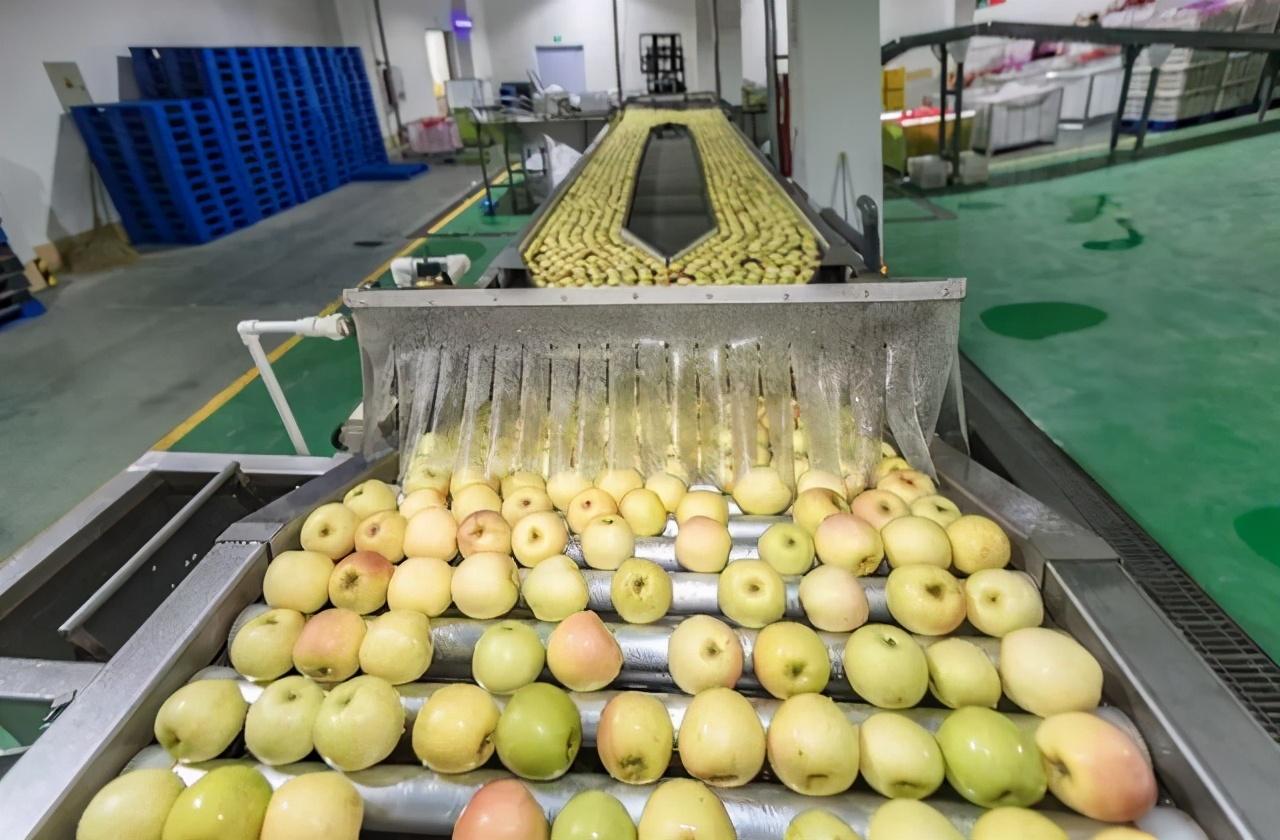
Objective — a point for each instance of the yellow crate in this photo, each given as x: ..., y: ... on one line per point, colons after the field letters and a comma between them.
x: 894, y: 78
x: 893, y: 100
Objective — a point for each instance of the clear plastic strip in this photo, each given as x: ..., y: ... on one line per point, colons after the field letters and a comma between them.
x: 654, y: 408
x: 504, y: 416
x: 419, y: 379
x: 473, y: 437
x: 743, y: 363
x: 861, y: 445
x: 621, y: 452
x: 685, y: 432
x: 593, y: 372
x: 712, y: 420
x: 775, y: 382
x: 446, y: 417
x: 816, y: 398
x: 562, y: 419
x: 535, y: 386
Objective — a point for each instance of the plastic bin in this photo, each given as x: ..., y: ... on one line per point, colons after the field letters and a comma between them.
x: 1016, y: 115
x: 928, y: 172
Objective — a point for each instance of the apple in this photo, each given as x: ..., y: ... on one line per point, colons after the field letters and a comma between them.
x: 523, y: 502
x: 885, y: 666
x: 721, y: 741
x: 990, y: 761
x: 328, y: 649
x: 634, y: 738
x: 888, y: 465
x: 453, y: 732
x: 469, y: 476
x: 916, y: 541
x: 812, y: 746
x: 509, y: 655
x: 370, y: 497
x: 908, y: 485
x: 502, y: 810
x: 537, y: 536
x: 1122, y: 832
x: 879, y: 507
x: 703, y: 545
x: 521, y: 480
x: 200, y: 720
x: 751, y: 593
x: 909, y: 819
x: 588, y: 505
x: 554, y: 589
x: 669, y: 488
x: 820, y: 478
x: 397, y: 646
x: 582, y: 654
x: 1095, y: 768
x: 938, y: 508
x: 762, y: 492
x: 682, y: 809
x: 833, y: 599
x: 814, y: 505
x: 331, y: 530
x: 431, y: 533
x: 786, y: 547
x: 298, y: 580
x: 706, y: 503
x: 539, y: 732
x: 789, y: 659
x: 606, y: 541
x: 644, y: 511
x: 704, y: 652
x: 618, y: 483
x: 134, y: 805
x: 999, y: 601
x: 422, y: 475
x: 383, y: 533
x: 359, y: 582
x: 961, y: 674
x: 850, y: 542
x: 925, y: 599
x: 485, y: 585
x: 564, y: 487
x: 819, y: 824
x: 1047, y: 672
x: 228, y: 803
x: 278, y: 727
x: 592, y: 815
x: 314, y: 805
x: 263, y: 647
x: 899, y: 758
x: 484, y: 530
x: 420, y: 500
x: 359, y: 723
x: 640, y: 591
x: 978, y: 543
x: 1022, y: 823
x: 421, y: 584
x: 475, y: 497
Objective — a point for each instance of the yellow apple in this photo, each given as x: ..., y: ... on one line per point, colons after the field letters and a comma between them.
x: 1022, y: 823
x: 786, y: 547
x: 850, y: 542
x: 640, y: 591
x: 618, y: 483
x: 885, y: 666
x: 331, y: 530
x: 523, y: 502
x: 819, y: 824
x: 814, y: 505
x: 470, y: 476
x: 554, y: 589
x: 890, y: 465
x: 751, y: 593
x: 359, y: 723
x: 938, y: 508
x: 644, y: 512
x: 812, y: 746
x: 359, y: 582
x: 228, y: 803
x: 606, y: 541
x: 789, y: 659
x: 134, y: 805
x: 484, y: 530
x: 908, y: 819
x: 453, y: 732
x: 328, y: 649
x: 703, y: 545
x: 682, y: 809
x: 961, y: 674
x: 762, y: 492
x: 420, y: 500
x: 397, y: 646
x: 588, y: 505
x: 668, y: 488
x: 833, y: 599
x: 383, y: 533
x: 370, y: 497
x: 508, y: 656
x: 1047, y: 672
x: 925, y: 599
x: 634, y: 738
x: 521, y: 480
x: 475, y: 497
x: 908, y: 485
x: 537, y: 536
x: 314, y: 805
x: 485, y: 585
x: 721, y: 741
x: 298, y: 580
x: 1000, y: 601
x: 1117, y: 832
x: 278, y: 727
x: 978, y: 543
x: 263, y: 647
x: 820, y: 478
x: 201, y: 719
x: 704, y: 652
x: 582, y: 654
x: 706, y: 503
x: 424, y: 476
x: 563, y: 487
x: 899, y: 758
x: 421, y: 584
x: 431, y: 533
x: 915, y: 540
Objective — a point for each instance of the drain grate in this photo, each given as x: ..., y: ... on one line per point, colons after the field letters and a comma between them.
x: 1237, y: 660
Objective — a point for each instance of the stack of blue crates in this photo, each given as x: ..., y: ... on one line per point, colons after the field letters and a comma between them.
x: 304, y: 129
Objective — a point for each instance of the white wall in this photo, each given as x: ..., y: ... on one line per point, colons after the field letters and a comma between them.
x: 729, y: 13
x: 44, y: 168
x: 753, y: 52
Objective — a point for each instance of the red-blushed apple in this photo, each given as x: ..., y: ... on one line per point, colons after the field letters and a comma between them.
x: 961, y: 674
x: 907, y: 485
x: 521, y: 480
x: 538, y: 536
x: 397, y: 646
x: 814, y: 505
x: 420, y: 500
x: 539, y: 732
x: 468, y: 476
x: 634, y: 738
x: 453, y: 732
x: 383, y: 533
x: 706, y: 503
x: 789, y: 659
x: 200, y: 720
x: 328, y: 649
x: 910, y: 819
x: 833, y: 599
x: 889, y: 465
x: 669, y: 488
x: 554, y: 589
x: 640, y: 591
x: 582, y: 654
x: 879, y: 507
x: 978, y: 543
x: 751, y: 594
x: 682, y: 809
x: 472, y: 498
x: 721, y: 740
x: 850, y: 542
x: 885, y: 666
x: 703, y: 652
x: 263, y: 647
x: 359, y: 723
x: 133, y: 805
x: 432, y: 533
x: 619, y: 482
x: 644, y: 511
x: 703, y: 545
x: 820, y: 478
x: 818, y: 824
x: 607, y: 541
x: 786, y: 547
x: 421, y: 584
x: 485, y: 585
x: 1047, y: 672
x: 370, y: 497
x: 999, y: 601
x: 1011, y: 822
x: 812, y: 746
x: 508, y: 656
x: 314, y: 805
x: 898, y: 757
x: 502, y: 810
x: 298, y: 580
x: 331, y: 530
x: 278, y: 727
x: 938, y: 508
x: 916, y: 541
x: 1096, y: 768
x: 523, y: 502
x: 484, y: 530
x: 925, y: 599
x: 564, y: 486
x: 762, y: 492
x: 359, y: 582
x: 586, y: 506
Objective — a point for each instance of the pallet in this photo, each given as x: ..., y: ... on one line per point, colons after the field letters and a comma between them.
x: 304, y: 129
x: 390, y: 171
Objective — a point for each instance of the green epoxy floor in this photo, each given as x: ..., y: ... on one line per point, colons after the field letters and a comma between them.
x: 1134, y: 314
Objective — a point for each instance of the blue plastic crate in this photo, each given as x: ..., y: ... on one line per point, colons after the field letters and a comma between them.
x: 235, y: 79
x: 360, y: 108
x: 331, y: 92
x: 303, y: 126
x: 169, y: 168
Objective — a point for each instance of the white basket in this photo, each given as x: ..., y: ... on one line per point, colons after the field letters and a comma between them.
x: 1184, y: 106
x: 1242, y: 67
x: 1237, y: 94
x: 1259, y: 15
x: 1175, y: 80
x: 928, y: 172
x: 1005, y: 122
x: 974, y: 168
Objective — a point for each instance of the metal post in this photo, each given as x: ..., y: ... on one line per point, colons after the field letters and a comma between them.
x: 1146, y: 109
x: 1130, y: 56
x: 617, y: 52
x: 955, y: 129
x: 771, y: 80
x: 715, y: 42
x: 1268, y: 84
x: 386, y: 73
x: 942, y: 104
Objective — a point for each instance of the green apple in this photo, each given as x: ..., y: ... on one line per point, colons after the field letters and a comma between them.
x: 899, y: 758
x: 263, y: 647
x: 134, y: 805
x: 640, y: 591
x: 539, y: 732
x: 397, y: 646
x: 593, y: 815
x: 682, y: 809
x: 201, y: 719
x: 554, y: 589
x: 634, y: 738
x: 1022, y: 823
x: 314, y: 805
x: 789, y: 658
x: 359, y: 723
x: 909, y: 819
x: 503, y: 809
x: 721, y: 740
x: 227, y: 803
x: 819, y: 824
x: 508, y: 656
x: 278, y: 728
x: 885, y: 666
x: 990, y: 761
x: 786, y: 547
x: 453, y: 732
x: 751, y: 593
x: 961, y: 674
x: 812, y: 746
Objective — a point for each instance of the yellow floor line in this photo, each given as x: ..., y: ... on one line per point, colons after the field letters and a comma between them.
x: 224, y: 396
